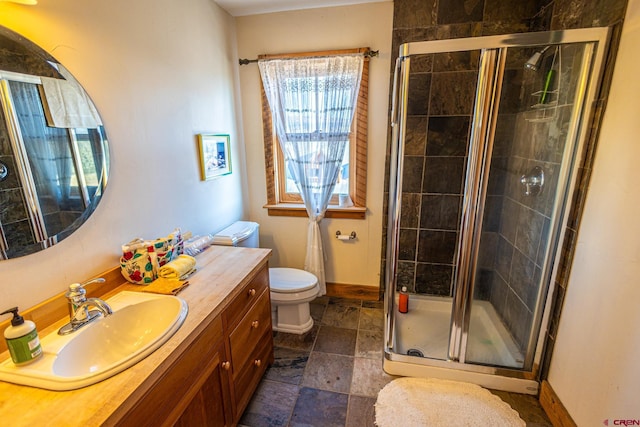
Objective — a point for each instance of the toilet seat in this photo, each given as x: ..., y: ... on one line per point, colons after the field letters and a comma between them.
x: 291, y: 280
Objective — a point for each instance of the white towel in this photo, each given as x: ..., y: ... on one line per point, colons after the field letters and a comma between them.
x: 67, y: 105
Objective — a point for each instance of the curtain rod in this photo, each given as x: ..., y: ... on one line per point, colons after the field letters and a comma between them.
x: 370, y: 53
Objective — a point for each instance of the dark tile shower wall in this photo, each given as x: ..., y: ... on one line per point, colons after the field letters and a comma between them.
x: 435, y: 140
x: 22, y: 56
x: 442, y: 91
x: 14, y: 222
x: 439, y: 111
x: 517, y: 226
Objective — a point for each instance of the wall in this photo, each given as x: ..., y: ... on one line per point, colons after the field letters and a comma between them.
x: 300, y: 31
x: 595, y: 369
x: 159, y: 72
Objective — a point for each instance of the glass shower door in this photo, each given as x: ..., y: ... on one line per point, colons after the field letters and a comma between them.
x: 441, y: 88
x: 529, y: 159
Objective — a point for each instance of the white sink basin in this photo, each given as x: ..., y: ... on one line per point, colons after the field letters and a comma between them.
x: 140, y: 323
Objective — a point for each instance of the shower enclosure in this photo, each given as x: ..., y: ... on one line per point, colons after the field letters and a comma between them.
x: 51, y: 178
x: 487, y: 136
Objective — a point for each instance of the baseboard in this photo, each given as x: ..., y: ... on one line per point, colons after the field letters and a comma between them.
x: 369, y: 293
x: 554, y: 408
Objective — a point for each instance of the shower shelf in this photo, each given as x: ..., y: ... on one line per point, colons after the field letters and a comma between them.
x: 545, y: 102
x: 553, y: 94
x: 546, y: 112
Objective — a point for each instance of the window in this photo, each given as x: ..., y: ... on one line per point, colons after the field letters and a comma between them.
x: 86, y: 146
x: 282, y: 195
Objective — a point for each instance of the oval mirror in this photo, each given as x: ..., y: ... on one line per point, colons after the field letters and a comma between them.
x: 53, y: 149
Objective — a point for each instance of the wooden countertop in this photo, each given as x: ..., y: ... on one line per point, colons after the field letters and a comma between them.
x: 222, y: 271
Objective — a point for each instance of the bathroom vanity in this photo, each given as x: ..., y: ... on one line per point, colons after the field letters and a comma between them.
x: 205, y: 374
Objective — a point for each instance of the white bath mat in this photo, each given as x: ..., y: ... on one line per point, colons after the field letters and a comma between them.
x: 430, y: 402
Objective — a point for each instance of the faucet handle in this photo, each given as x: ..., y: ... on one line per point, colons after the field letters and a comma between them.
x: 76, y: 291
x: 96, y: 280
x: 77, y: 295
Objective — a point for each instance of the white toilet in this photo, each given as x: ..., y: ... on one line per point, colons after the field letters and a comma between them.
x: 291, y: 289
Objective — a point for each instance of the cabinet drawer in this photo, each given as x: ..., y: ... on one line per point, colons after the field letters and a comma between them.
x: 247, y: 380
x: 247, y: 297
x: 253, y: 326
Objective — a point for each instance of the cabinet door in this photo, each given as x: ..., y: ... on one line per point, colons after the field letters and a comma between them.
x: 208, y: 407
x: 195, y: 386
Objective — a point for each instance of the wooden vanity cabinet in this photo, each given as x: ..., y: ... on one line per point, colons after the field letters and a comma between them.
x: 212, y: 382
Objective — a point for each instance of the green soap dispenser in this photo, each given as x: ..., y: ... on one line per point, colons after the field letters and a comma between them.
x: 22, y: 339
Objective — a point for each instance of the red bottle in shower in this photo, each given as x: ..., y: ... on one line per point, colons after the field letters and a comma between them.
x: 403, y: 300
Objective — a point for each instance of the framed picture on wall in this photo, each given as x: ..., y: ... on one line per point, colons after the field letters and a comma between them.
x: 215, y: 155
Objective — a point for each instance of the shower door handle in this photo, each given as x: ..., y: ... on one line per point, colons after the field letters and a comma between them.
x: 394, y: 96
x: 4, y: 246
x: 533, y: 181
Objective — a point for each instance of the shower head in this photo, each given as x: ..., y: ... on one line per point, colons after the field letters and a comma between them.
x: 533, y: 62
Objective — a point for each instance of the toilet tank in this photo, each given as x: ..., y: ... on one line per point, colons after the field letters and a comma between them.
x: 240, y: 233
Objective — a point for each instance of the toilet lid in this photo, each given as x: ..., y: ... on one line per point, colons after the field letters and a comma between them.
x: 235, y: 233
x: 289, y: 280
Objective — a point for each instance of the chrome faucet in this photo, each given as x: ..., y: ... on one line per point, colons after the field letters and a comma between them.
x: 79, y: 312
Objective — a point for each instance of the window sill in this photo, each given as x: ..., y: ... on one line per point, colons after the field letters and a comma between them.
x: 298, y: 210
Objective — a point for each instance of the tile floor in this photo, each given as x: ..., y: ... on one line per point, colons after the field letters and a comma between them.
x: 331, y: 375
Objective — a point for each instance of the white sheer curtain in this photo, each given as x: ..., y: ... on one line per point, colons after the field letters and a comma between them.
x: 312, y: 102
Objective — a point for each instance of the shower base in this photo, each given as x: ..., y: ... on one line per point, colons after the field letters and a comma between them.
x: 426, y: 328
x: 424, y: 331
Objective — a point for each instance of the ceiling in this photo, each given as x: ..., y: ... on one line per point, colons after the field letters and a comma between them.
x: 254, y: 7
